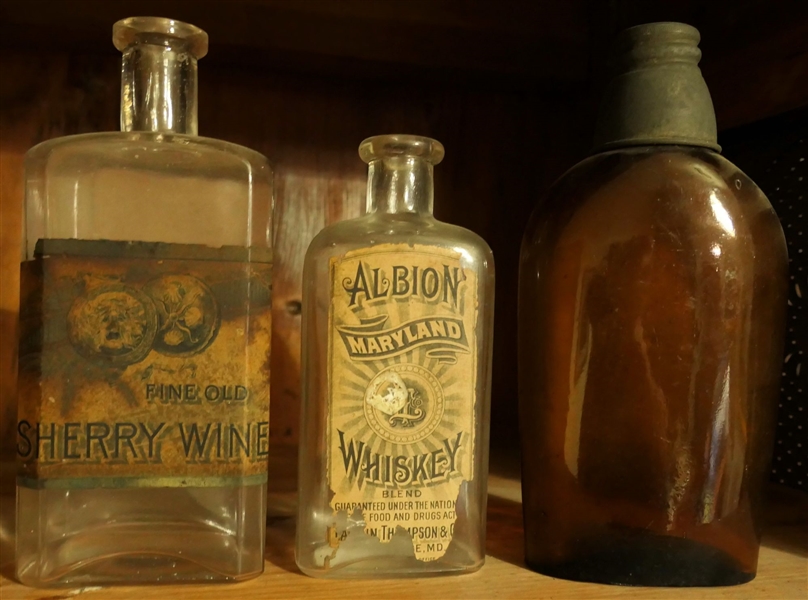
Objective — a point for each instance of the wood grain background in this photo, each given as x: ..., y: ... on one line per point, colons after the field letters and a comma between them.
x: 502, y: 150
x: 507, y: 86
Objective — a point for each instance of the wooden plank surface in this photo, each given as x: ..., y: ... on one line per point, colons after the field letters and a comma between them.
x: 504, y: 145
x: 782, y: 573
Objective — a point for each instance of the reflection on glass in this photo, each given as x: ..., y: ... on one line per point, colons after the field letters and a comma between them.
x: 651, y: 324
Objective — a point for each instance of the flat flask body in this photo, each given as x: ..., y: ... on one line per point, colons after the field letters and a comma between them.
x: 396, y: 378
x: 651, y: 311
x: 155, y: 233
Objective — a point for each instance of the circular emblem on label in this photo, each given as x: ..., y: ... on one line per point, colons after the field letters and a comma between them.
x: 404, y: 403
x: 112, y: 324
x: 187, y: 314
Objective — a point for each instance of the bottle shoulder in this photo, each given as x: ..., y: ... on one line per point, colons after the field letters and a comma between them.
x: 652, y: 168
x: 371, y: 231
x: 143, y: 148
x: 647, y: 179
x: 691, y: 196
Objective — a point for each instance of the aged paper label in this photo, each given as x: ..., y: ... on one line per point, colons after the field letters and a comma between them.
x: 143, y: 364
x: 402, y: 380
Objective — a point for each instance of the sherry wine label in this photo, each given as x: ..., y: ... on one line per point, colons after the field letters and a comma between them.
x: 402, y: 384
x: 143, y: 364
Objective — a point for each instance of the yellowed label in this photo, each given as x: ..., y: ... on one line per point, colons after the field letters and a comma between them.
x: 402, y: 380
x: 143, y: 365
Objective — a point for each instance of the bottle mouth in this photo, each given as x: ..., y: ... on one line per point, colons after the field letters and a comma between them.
x: 654, y: 43
x: 160, y: 31
x: 393, y: 145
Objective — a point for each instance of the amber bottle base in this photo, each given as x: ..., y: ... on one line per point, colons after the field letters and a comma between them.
x: 646, y: 560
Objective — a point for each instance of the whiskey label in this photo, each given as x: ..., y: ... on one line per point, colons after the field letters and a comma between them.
x: 143, y: 364
x: 402, y: 381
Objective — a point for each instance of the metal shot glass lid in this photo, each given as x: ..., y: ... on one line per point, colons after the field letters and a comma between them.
x: 657, y: 95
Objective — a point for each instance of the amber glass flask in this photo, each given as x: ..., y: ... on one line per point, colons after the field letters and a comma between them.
x: 651, y: 312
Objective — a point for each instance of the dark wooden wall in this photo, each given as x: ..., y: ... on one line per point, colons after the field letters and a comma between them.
x: 508, y: 86
x: 503, y: 149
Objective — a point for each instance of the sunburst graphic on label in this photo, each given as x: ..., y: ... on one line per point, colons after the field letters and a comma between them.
x: 410, y: 405
x: 445, y: 414
x: 404, y: 403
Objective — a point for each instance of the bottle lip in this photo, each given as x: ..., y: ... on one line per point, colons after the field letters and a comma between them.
x: 127, y: 31
x: 399, y: 144
x: 651, y: 44
x: 659, y: 31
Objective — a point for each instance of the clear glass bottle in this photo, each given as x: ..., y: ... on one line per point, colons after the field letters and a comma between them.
x: 651, y: 319
x: 145, y: 326
x: 397, y: 329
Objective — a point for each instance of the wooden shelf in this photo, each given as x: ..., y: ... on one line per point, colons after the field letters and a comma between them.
x: 782, y: 574
x: 508, y: 86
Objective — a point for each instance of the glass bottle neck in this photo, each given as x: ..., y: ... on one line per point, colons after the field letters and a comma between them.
x: 159, y: 88
x: 400, y: 185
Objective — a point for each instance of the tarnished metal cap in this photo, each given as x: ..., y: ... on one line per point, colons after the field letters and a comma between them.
x: 657, y: 95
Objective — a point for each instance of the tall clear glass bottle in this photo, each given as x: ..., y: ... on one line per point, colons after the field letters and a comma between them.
x: 397, y: 331
x: 651, y: 319
x: 143, y: 427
